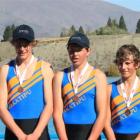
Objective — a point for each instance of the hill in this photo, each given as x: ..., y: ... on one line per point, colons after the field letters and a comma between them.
x: 48, y: 17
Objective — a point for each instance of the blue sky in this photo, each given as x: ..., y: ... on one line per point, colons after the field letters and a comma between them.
x: 131, y: 4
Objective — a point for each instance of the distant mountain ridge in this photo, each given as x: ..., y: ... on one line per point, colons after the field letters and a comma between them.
x: 48, y: 17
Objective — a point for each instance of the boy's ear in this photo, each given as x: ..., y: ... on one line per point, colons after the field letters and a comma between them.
x: 137, y: 65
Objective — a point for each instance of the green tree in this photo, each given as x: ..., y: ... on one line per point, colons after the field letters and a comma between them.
x: 109, y: 22
x: 7, y: 34
x: 72, y: 30
x: 99, y: 31
x: 81, y: 30
x: 122, y: 24
x: 110, y: 30
x: 114, y: 23
x: 61, y: 34
x: 64, y: 32
x: 138, y: 27
x: 13, y: 27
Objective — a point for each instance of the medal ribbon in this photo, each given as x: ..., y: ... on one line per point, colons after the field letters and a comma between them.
x: 21, y: 76
x: 75, y: 85
x: 132, y: 91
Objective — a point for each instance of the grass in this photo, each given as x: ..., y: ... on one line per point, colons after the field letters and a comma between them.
x: 53, y: 50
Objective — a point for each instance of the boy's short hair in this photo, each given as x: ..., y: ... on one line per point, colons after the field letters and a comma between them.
x: 126, y: 50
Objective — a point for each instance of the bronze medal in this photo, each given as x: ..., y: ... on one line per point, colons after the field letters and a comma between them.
x: 20, y: 89
x: 127, y: 112
x: 75, y: 98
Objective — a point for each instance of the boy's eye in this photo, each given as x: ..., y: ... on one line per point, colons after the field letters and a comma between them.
x: 126, y: 63
x: 129, y: 62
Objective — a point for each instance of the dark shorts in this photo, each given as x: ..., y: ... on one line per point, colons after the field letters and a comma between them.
x: 28, y: 126
x: 78, y: 131
x: 125, y: 136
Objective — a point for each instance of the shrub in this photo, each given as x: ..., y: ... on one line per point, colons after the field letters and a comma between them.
x: 110, y: 30
x: 113, y: 70
x: 138, y: 72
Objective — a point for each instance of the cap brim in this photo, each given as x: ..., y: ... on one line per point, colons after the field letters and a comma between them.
x: 78, y: 44
x: 23, y: 36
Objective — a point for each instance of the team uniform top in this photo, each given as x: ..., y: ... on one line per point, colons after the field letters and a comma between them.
x: 29, y: 103
x: 121, y: 122
x: 82, y: 111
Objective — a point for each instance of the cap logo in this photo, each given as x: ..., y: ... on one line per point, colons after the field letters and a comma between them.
x: 76, y: 38
x: 23, y: 31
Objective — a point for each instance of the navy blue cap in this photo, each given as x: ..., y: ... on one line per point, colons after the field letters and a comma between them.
x: 79, y: 39
x: 23, y: 32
